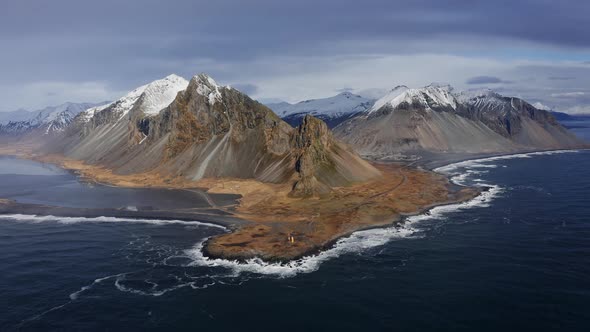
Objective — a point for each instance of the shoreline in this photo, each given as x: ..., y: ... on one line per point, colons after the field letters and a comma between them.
x: 434, y: 164
x: 234, y: 222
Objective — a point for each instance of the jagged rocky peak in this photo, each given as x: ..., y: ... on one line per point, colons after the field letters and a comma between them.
x: 468, y: 95
x: 206, y: 86
x: 311, y: 143
x: 312, y: 131
x: 321, y: 162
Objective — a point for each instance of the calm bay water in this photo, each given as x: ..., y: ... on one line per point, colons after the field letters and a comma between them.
x: 516, y: 258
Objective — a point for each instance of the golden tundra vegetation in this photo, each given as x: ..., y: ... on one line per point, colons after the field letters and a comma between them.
x: 284, y: 227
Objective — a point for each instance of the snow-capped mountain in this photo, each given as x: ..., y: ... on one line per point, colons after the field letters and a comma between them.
x: 433, y: 96
x: 484, y: 99
x: 332, y: 110
x: 18, y: 115
x: 435, y: 119
x: 48, y: 120
x: 150, y: 98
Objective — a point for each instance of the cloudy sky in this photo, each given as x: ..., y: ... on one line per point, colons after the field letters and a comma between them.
x: 77, y: 50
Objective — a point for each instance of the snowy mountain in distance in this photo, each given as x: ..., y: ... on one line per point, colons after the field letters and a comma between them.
x: 430, y: 97
x: 332, y: 110
x: 485, y: 99
x: 18, y: 115
x: 151, y: 98
x: 49, y: 119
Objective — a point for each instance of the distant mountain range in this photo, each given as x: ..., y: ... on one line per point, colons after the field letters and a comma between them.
x: 332, y: 110
x: 18, y: 115
x: 200, y: 129
x: 46, y: 121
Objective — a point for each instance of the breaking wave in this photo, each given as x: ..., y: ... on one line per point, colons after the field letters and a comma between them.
x: 357, y: 242
x: 479, y: 163
x: 75, y: 220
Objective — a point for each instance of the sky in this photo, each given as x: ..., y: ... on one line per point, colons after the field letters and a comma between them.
x: 275, y: 50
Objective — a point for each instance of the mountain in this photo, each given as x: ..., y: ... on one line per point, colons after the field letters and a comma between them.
x: 18, y: 115
x: 207, y: 131
x: 333, y: 110
x: 45, y: 121
x: 435, y: 119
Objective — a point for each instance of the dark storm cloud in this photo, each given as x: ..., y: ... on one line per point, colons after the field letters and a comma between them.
x: 117, y: 31
x: 485, y: 80
x: 126, y: 43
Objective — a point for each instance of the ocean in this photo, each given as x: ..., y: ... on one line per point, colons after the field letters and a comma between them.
x: 515, y: 258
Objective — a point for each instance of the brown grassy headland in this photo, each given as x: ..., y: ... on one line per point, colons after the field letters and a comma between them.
x: 283, y: 227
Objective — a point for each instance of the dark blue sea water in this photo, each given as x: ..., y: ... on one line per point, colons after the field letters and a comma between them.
x: 579, y: 127
x: 517, y: 258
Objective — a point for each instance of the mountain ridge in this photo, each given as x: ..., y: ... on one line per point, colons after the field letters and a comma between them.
x: 48, y: 120
x: 436, y: 119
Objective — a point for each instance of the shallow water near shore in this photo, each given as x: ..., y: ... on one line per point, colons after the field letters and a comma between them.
x: 517, y: 257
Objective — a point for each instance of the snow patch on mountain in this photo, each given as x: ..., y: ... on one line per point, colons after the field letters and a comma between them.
x: 434, y: 95
x: 150, y: 98
x: 483, y: 99
x: 159, y: 94
x: 389, y: 97
x: 52, y: 119
x: 341, y: 104
x: 18, y: 115
x: 207, y: 87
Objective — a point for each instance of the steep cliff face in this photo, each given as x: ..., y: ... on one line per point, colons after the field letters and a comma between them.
x: 322, y: 162
x: 212, y: 131
x: 435, y: 119
x: 215, y: 131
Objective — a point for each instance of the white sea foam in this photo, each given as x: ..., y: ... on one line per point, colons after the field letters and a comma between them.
x: 75, y: 220
x: 357, y: 242
x: 75, y: 295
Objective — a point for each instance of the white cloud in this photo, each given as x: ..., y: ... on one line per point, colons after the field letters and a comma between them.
x: 580, y: 109
x: 568, y: 94
x: 41, y: 94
